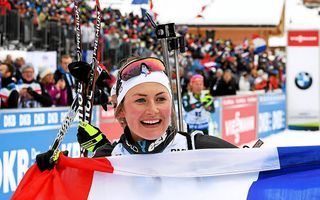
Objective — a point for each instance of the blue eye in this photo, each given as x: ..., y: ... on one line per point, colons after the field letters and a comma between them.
x: 141, y: 100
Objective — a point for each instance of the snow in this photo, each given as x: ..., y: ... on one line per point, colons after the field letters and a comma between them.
x: 216, y: 12
x: 220, y: 12
x: 291, y: 138
x: 298, y: 16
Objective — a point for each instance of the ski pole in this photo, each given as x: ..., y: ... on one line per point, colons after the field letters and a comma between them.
x: 163, y: 32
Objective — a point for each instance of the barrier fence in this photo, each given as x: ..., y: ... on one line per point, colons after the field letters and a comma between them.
x: 21, y: 33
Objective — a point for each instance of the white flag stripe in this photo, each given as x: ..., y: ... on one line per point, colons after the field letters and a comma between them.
x: 230, y: 187
x: 197, y: 163
x: 200, y: 174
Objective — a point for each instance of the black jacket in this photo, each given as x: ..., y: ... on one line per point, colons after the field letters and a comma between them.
x: 180, y: 141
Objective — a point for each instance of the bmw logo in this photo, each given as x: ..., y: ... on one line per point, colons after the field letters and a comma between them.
x: 303, y: 80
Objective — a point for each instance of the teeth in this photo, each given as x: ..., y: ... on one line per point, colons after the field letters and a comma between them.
x: 151, y: 121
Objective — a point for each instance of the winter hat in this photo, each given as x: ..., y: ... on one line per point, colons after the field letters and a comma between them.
x: 260, y: 72
x: 196, y: 77
x: 219, y: 70
x: 44, y: 71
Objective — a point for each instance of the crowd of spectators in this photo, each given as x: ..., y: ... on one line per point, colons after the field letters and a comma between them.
x: 227, y: 68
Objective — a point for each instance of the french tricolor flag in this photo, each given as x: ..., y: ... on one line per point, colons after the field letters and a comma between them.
x: 259, y: 173
x: 259, y: 44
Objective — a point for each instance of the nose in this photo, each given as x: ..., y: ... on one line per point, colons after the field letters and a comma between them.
x: 152, y: 108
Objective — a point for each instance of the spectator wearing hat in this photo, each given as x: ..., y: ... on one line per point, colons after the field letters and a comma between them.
x: 198, y: 104
x: 56, y: 90
x: 32, y: 93
x: 261, y: 81
x: 9, y: 94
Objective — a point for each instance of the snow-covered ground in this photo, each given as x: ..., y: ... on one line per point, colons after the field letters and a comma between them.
x: 292, y: 138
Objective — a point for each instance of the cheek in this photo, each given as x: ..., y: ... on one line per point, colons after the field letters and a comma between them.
x: 166, y: 111
x: 132, y: 113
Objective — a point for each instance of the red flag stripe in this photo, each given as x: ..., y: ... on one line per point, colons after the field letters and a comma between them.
x: 70, y: 179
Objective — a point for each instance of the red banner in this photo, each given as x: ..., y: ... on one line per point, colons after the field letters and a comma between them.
x: 239, y: 119
x: 303, y: 38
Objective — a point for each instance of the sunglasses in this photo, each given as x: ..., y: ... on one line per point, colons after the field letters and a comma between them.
x: 138, y: 67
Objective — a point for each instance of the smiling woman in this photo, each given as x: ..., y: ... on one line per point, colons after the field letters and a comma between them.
x: 144, y: 108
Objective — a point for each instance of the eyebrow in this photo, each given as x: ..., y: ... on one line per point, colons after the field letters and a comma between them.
x: 144, y: 95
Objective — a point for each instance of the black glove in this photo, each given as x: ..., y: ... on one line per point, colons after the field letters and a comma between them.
x: 43, y: 160
x: 90, y: 137
x: 30, y: 91
x: 101, y: 98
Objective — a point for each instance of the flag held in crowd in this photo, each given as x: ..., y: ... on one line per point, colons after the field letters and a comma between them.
x: 259, y: 44
x: 258, y: 173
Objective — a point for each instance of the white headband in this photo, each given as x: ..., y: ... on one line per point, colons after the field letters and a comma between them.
x: 113, y: 89
x: 153, y: 77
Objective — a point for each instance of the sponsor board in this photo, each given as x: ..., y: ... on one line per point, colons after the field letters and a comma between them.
x: 272, y: 114
x: 302, y: 80
x: 303, y: 38
x: 239, y: 119
x: 26, y: 133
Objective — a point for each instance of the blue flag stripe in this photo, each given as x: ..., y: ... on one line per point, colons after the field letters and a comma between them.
x: 298, y: 178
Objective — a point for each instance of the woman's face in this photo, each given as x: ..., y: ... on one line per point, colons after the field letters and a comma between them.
x: 147, y: 110
x: 197, y: 86
x: 49, y: 78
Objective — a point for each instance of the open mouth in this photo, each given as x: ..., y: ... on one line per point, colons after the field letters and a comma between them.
x: 151, y: 122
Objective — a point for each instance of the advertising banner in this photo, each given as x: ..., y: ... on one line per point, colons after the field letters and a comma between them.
x: 109, y: 125
x: 26, y: 133
x: 239, y: 119
x: 272, y: 114
x: 303, y: 71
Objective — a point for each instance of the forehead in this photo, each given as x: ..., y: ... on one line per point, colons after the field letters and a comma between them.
x: 197, y: 81
x: 147, y: 89
x: 65, y: 60
x: 29, y: 69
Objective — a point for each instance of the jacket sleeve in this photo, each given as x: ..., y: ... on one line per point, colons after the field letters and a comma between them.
x: 104, y: 150
x: 186, y: 103
x: 43, y: 98
x: 13, y: 99
x: 209, y: 142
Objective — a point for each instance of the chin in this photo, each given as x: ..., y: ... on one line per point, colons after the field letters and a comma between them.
x: 153, y: 135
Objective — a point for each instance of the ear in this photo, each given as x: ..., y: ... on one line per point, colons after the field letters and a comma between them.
x: 121, y: 113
